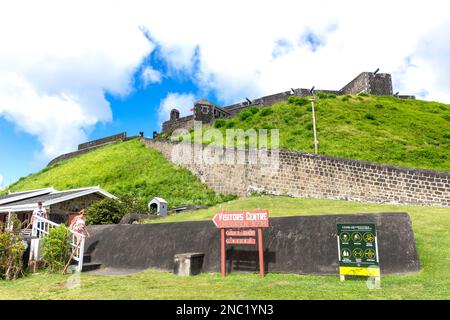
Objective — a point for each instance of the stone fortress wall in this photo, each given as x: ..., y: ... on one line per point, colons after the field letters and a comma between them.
x: 92, y: 145
x: 206, y: 111
x: 308, y: 175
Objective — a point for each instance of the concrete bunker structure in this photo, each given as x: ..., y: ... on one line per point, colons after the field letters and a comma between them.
x: 298, y: 244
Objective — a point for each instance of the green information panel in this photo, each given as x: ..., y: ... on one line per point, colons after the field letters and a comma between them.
x: 358, y: 251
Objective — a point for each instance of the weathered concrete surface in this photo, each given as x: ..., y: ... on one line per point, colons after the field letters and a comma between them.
x: 303, y: 245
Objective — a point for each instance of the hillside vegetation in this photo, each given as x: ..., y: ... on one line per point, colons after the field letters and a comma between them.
x: 381, y: 129
x: 124, y: 168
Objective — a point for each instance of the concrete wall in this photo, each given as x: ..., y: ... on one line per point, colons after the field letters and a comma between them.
x: 377, y: 84
x: 180, y: 123
x: 307, y: 175
x: 92, y: 145
x: 75, y: 153
x: 117, y: 137
x: 302, y: 245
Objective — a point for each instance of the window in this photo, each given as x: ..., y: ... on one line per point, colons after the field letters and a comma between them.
x: 205, y: 109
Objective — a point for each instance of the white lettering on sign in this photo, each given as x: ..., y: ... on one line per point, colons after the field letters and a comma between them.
x: 242, y: 219
x: 255, y: 216
x: 231, y: 217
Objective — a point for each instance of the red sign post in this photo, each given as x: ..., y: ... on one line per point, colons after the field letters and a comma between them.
x: 245, y: 220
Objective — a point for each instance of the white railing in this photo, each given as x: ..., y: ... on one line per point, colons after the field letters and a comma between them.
x: 41, y: 227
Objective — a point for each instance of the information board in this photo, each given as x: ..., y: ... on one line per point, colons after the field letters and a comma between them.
x: 358, y: 250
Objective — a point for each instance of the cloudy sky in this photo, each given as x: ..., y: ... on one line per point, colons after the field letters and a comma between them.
x: 77, y: 70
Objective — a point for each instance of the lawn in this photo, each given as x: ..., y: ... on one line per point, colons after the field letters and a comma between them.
x: 431, y: 228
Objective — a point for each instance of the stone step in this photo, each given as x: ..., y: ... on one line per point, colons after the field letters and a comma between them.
x: 91, y: 266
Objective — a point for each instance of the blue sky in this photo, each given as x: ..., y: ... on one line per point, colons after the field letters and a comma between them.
x: 127, y: 64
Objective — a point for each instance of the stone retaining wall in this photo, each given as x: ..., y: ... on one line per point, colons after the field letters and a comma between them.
x: 308, y: 175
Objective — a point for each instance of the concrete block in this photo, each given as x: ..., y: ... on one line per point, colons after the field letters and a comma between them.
x: 188, y: 264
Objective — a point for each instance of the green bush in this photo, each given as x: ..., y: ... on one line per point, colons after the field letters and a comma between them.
x: 56, y: 248
x: 363, y: 94
x: 219, y: 123
x: 253, y: 110
x: 298, y: 101
x: 230, y: 124
x: 107, y: 211
x: 369, y: 116
x: 245, y: 114
x: 11, y: 254
x: 266, y: 111
x: 322, y: 95
x: 134, y: 204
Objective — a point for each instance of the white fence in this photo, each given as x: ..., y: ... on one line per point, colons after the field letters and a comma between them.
x: 41, y: 228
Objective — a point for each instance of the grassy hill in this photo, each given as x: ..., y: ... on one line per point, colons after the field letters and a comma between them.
x: 375, y: 128
x: 124, y: 168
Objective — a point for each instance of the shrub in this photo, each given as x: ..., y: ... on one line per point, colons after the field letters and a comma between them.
x: 298, y: 101
x: 134, y: 204
x: 219, y: 123
x: 323, y: 95
x: 266, y: 111
x: 107, y: 211
x: 253, y: 110
x: 230, y: 124
x: 56, y: 248
x: 11, y: 254
x: 363, y: 94
x: 379, y: 106
x: 245, y: 114
x: 369, y: 116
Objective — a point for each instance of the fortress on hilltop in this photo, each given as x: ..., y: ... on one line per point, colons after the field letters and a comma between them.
x: 205, y: 111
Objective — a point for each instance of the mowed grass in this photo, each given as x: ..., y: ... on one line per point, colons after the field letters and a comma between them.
x: 124, y: 168
x: 431, y: 228
x: 381, y: 129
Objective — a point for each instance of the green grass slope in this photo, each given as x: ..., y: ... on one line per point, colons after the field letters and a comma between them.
x: 124, y: 168
x: 381, y: 129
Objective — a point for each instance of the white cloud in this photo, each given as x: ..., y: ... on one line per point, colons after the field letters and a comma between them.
x: 59, y: 57
x: 323, y: 43
x: 150, y: 75
x: 184, y: 102
x: 57, y: 60
x: 427, y: 70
